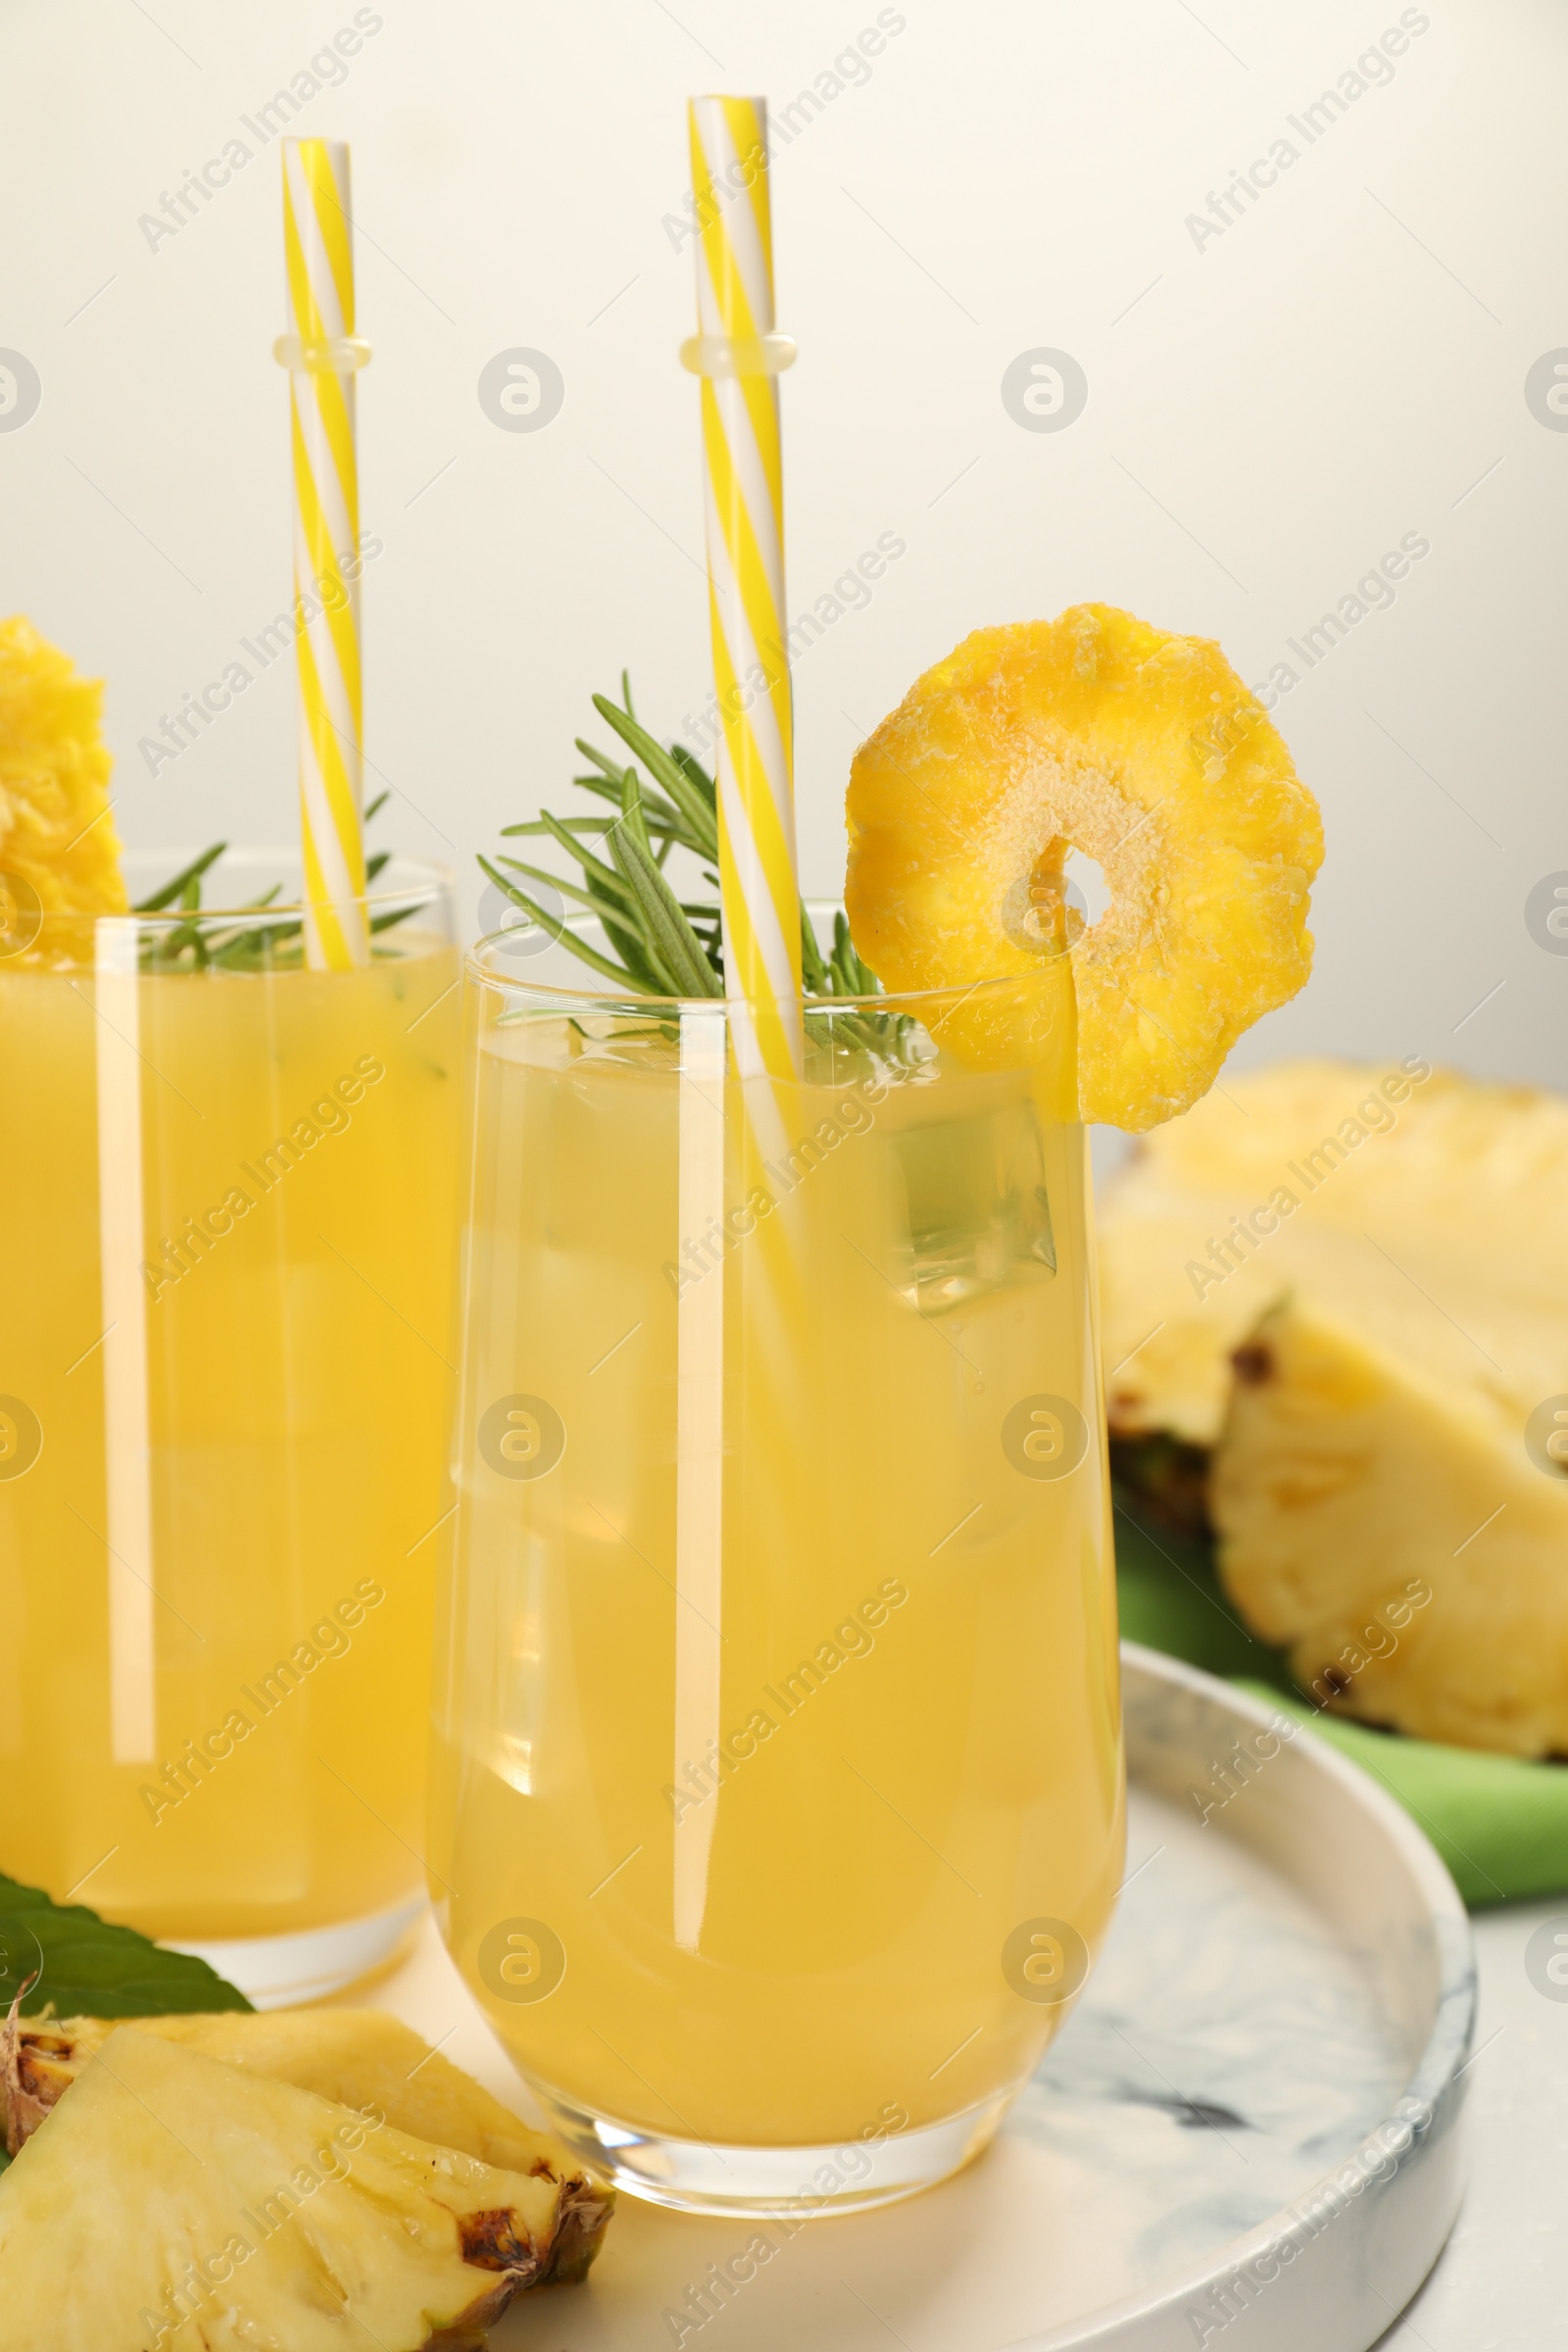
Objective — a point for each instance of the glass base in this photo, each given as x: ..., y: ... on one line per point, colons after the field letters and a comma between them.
x: 783, y: 2184
x: 280, y: 1972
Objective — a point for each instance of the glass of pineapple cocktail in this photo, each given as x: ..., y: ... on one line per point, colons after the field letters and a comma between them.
x: 229, y: 1196
x: 778, y: 1796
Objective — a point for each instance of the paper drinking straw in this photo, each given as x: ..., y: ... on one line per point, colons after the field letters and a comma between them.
x: 321, y: 355
x: 739, y: 356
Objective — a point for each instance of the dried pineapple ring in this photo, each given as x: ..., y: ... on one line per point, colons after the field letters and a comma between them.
x: 55, y: 832
x: 1145, y: 752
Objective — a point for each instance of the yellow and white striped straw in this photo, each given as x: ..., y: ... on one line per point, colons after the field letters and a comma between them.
x: 738, y: 357
x: 321, y: 353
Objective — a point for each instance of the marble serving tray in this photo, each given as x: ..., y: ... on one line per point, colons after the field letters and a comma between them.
x: 1248, y: 2134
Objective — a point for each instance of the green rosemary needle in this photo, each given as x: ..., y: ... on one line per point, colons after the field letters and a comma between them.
x: 661, y: 944
x: 205, y: 940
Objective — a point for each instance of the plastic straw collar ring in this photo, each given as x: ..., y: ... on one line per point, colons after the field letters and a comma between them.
x: 738, y: 355
x: 344, y: 357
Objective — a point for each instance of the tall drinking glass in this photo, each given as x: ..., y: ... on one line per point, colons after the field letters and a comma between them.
x: 227, y: 1194
x: 778, y: 1786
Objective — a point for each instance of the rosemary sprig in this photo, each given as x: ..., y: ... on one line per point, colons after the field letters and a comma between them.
x: 206, y: 940
x: 664, y: 944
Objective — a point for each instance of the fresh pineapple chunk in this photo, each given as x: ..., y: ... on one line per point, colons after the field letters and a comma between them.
x: 56, y: 834
x: 1384, y: 1522
x: 1260, y: 1188
x: 175, y: 2201
x: 1380, y: 1254
x: 357, y: 2057
x: 1378, y: 1190
x: 1147, y: 753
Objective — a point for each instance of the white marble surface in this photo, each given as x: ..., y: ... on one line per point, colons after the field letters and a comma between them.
x: 1227, y: 2052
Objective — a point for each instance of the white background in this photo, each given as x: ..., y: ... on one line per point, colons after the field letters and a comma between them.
x: 1344, y: 365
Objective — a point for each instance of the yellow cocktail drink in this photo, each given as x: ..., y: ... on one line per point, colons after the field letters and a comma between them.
x: 778, y: 1794
x: 228, y: 1192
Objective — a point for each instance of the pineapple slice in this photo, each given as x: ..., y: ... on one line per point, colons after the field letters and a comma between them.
x: 1378, y: 1191
x: 1385, y: 1522
x: 355, y: 2057
x: 1342, y: 1286
x: 55, y: 833
x: 176, y: 2201
x: 1147, y: 753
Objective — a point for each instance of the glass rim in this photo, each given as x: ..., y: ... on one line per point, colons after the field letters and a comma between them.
x: 428, y: 878
x: 603, y: 1000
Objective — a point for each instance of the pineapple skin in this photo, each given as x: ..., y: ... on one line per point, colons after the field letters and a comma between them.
x: 1145, y: 752
x: 360, y: 2058
x: 178, y: 2202
x: 1389, y: 1529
